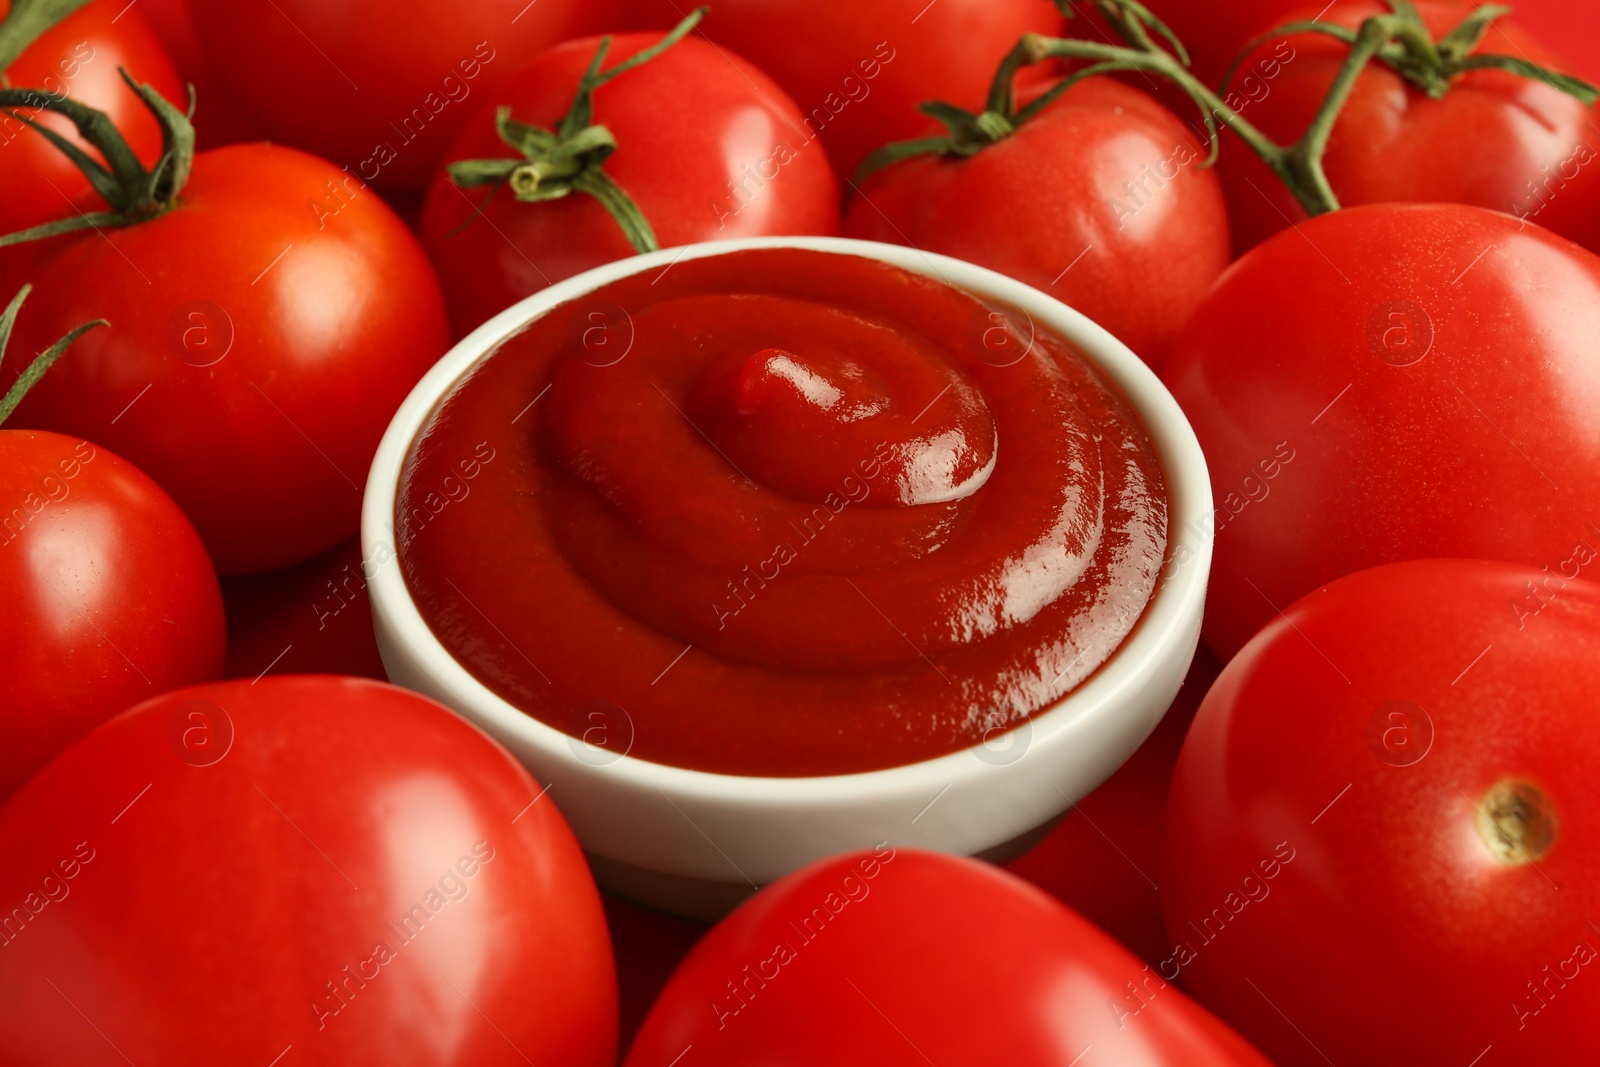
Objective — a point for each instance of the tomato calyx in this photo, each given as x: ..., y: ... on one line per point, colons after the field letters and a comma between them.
x: 133, y: 192
x: 25, y: 23
x: 42, y: 362
x: 1516, y: 822
x: 556, y: 163
x: 1427, y: 64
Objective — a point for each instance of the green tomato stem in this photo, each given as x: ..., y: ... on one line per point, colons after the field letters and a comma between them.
x: 43, y: 362
x: 26, y: 22
x: 568, y: 159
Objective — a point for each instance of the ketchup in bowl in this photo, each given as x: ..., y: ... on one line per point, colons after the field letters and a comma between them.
x: 781, y: 512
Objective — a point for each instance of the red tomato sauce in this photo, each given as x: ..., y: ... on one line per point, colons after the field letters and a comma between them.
x: 782, y: 513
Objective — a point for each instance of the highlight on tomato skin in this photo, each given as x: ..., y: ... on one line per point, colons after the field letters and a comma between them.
x: 109, y: 596
x: 78, y: 56
x: 329, y: 869
x: 1379, y: 844
x: 893, y: 948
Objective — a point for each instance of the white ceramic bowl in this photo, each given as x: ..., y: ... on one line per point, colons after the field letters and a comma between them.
x: 693, y: 841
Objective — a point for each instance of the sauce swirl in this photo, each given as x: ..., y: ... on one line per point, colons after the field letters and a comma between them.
x: 782, y: 512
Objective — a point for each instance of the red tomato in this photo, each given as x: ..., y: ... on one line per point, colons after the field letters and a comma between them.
x: 1380, y: 845
x: 1391, y: 382
x: 708, y: 148
x: 859, y: 71
x: 324, y: 870
x: 899, y: 957
x: 312, y: 618
x: 1129, y: 228
x: 1495, y: 139
x: 79, y: 57
x: 1100, y: 860
x: 262, y: 334
x: 378, y: 86
x: 109, y: 596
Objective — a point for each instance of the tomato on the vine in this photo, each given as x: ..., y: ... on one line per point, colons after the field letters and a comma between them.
x: 319, y: 870
x: 267, y: 319
x: 381, y: 86
x: 706, y: 146
x: 1381, y: 843
x: 79, y: 56
x: 1389, y: 382
x: 1497, y: 139
x: 1103, y: 200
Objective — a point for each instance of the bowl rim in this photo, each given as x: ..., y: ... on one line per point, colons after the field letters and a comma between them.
x: 1163, y: 624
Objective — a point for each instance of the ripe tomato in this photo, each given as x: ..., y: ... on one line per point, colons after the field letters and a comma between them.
x: 708, y: 148
x: 899, y: 957
x: 1129, y: 228
x: 109, y: 596
x: 860, y: 71
x: 378, y: 86
x: 78, y: 57
x: 1391, y: 382
x: 312, y: 618
x: 1381, y: 842
x: 324, y: 870
x: 262, y: 334
x: 1495, y: 139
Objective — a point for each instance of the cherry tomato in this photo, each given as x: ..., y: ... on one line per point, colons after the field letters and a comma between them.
x: 1102, y: 201
x: 109, y: 596
x: 1495, y: 139
x: 860, y: 71
x: 78, y: 57
x: 1380, y: 844
x: 1391, y: 382
x: 325, y: 870
x: 899, y: 957
x: 312, y: 618
x: 709, y: 148
x: 381, y: 87
x: 262, y: 334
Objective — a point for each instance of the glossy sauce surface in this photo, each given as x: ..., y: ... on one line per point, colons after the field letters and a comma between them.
x: 781, y: 512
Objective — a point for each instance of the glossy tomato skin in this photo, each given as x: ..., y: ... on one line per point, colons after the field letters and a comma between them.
x: 859, y: 71
x: 262, y: 334
x: 1101, y: 201
x: 1324, y: 842
x: 897, y: 957
x: 709, y: 148
x: 332, y: 865
x: 1391, y: 382
x: 1497, y: 140
x: 381, y: 86
x: 109, y: 596
x: 79, y: 57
